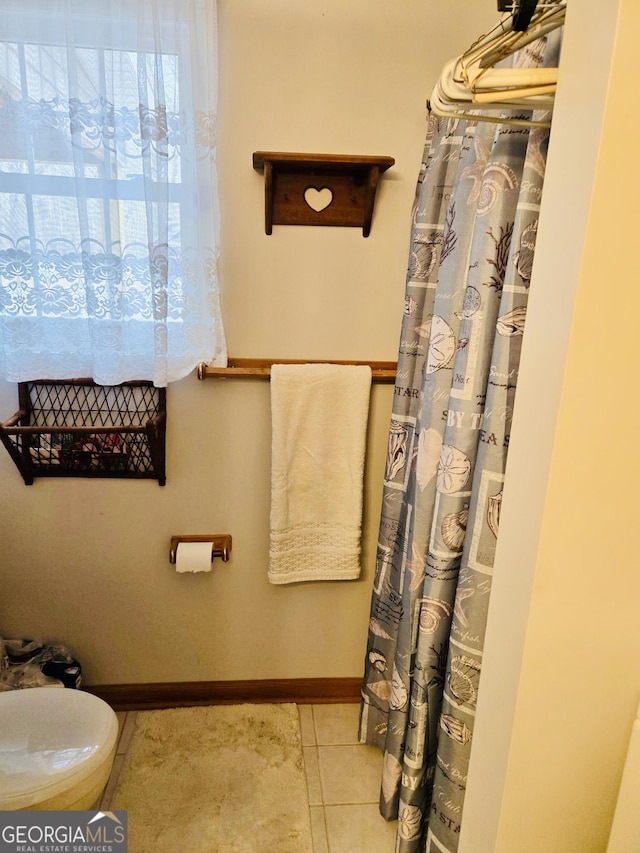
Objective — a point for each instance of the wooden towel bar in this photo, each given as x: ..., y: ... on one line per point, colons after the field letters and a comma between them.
x: 260, y: 368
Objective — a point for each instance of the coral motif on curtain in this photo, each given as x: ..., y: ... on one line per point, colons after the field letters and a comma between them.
x: 475, y: 219
x: 109, y: 216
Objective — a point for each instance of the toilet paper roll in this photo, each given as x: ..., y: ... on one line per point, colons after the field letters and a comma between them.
x: 193, y: 557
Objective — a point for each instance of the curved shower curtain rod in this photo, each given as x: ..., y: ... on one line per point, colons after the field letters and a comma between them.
x: 471, y: 82
x: 522, y: 11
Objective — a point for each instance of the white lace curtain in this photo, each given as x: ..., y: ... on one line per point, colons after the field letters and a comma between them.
x: 109, y: 217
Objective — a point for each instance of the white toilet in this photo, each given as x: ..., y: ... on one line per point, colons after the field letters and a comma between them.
x: 57, y: 747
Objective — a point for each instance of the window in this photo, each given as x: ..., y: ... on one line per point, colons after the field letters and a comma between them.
x: 108, y: 190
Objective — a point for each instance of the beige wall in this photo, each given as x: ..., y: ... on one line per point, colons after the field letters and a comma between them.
x: 86, y: 562
x: 561, y: 681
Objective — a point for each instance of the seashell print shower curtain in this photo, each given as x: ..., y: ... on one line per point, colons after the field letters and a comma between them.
x: 474, y: 227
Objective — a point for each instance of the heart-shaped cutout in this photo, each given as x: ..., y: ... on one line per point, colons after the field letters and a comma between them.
x: 318, y: 199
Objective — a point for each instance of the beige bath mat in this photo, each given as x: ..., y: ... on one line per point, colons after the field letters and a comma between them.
x: 220, y: 779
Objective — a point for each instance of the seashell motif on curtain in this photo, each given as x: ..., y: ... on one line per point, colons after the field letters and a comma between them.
x: 497, y: 178
x: 424, y: 256
x: 399, y: 693
x: 463, y: 679
x: 523, y: 258
x: 512, y: 323
x: 454, y: 470
x: 396, y: 450
x: 454, y: 529
x: 377, y: 660
x: 494, y: 506
x: 455, y: 728
x: 432, y: 611
x: 442, y: 342
x: 409, y: 821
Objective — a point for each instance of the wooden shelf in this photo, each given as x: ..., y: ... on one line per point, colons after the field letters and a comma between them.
x: 320, y: 189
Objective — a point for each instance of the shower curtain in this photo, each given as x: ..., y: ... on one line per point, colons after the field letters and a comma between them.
x: 474, y: 227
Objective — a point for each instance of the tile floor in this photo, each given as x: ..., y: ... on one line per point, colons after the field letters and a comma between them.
x: 343, y: 780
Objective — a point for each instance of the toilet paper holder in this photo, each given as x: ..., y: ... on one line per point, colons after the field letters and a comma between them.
x: 220, y: 545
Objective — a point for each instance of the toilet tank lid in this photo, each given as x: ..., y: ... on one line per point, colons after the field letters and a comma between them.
x: 50, y: 739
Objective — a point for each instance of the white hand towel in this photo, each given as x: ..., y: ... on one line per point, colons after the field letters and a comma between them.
x: 319, y: 415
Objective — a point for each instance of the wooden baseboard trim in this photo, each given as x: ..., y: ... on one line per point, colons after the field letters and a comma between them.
x: 301, y: 691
